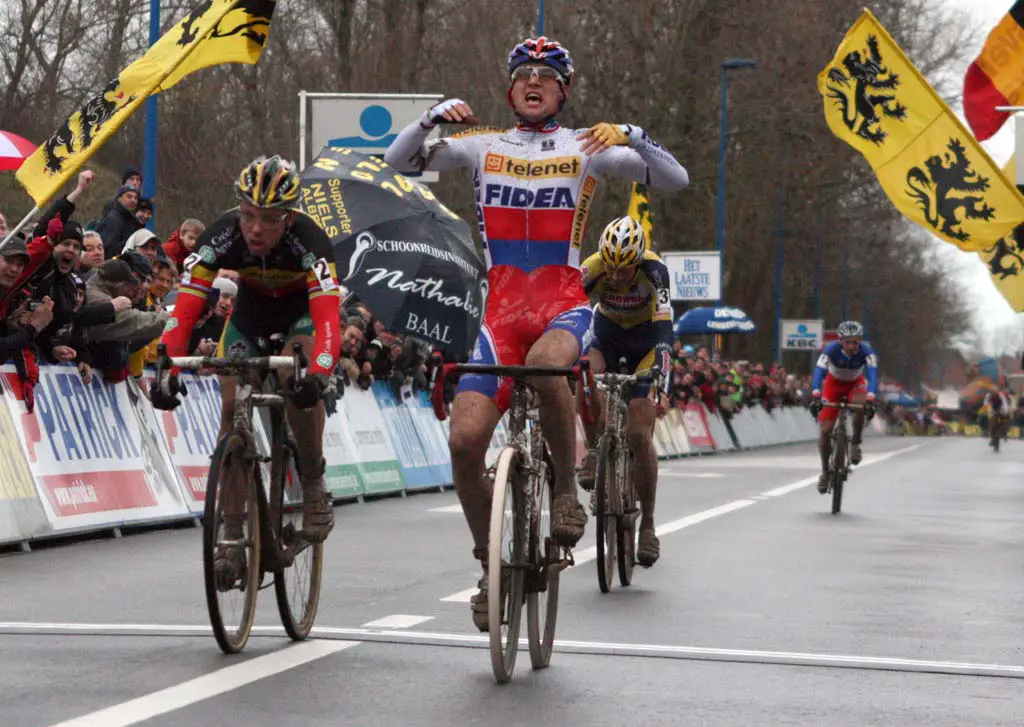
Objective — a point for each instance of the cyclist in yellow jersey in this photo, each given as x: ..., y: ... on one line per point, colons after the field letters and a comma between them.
x: 633, y: 320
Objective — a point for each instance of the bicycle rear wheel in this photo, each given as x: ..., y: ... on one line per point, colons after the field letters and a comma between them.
x: 606, y: 525
x: 627, y: 524
x: 542, y: 607
x: 506, y: 554
x: 232, y: 606
x: 296, y: 586
x: 838, y: 469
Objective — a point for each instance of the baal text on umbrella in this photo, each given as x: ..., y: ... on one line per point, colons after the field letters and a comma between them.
x: 422, y: 327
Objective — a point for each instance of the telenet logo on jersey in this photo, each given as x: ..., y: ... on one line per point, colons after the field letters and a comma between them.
x: 532, y: 169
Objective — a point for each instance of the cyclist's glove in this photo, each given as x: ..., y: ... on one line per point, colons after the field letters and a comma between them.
x: 815, y: 405
x: 869, y: 409
x: 166, y: 401
x: 308, y: 391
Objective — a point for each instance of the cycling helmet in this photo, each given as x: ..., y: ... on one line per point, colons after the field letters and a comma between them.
x: 622, y: 243
x: 850, y: 329
x: 541, y: 50
x: 270, y: 183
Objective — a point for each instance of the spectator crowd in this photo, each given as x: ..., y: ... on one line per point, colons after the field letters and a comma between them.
x: 98, y: 296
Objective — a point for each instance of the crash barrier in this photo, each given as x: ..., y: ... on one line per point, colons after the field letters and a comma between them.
x: 100, y: 457
x: 930, y: 428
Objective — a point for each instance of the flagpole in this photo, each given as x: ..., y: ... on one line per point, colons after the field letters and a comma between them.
x: 152, y: 112
x: 14, y: 231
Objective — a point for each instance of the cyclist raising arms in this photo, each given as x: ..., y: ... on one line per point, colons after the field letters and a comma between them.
x: 534, y: 184
x: 633, y: 320
x: 842, y: 368
x: 287, y: 284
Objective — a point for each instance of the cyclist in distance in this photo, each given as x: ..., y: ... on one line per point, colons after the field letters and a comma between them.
x: 287, y: 284
x: 633, y: 320
x: 847, y: 370
x: 534, y: 184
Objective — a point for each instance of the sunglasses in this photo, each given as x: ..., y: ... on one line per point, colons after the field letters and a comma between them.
x: 266, y: 219
x: 541, y: 72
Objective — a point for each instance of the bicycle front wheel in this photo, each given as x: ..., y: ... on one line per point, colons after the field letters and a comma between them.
x: 506, y: 556
x: 837, y: 470
x: 627, y: 523
x: 231, y: 530
x: 542, y: 606
x: 606, y: 525
x: 297, y: 586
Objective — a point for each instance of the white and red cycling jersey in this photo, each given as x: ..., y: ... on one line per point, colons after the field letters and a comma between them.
x: 533, y: 190
x: 534, y: 186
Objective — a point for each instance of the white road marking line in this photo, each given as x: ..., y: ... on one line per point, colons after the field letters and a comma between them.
x: 457, y: 508
x: 588, y: 554
x: 208, y: 685
x: 868, y: 460
x: 396, y: 621
x: 695, y: 475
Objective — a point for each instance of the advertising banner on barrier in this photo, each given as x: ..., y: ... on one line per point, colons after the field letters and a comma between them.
x: 695, y: 422
x: 190, y: 434
x: 373, y: 455
x: 410, y: 439
x: 21, y: 512
x: 87, y: 454
x: 342, y: 475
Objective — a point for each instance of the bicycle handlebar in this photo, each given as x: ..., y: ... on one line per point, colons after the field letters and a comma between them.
x: 168, y: 381
x: 842, y: 405
x: 441, y: 371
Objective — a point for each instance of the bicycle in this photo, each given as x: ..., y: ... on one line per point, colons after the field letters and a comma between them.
x: 523, y: 561
x: 271, y: 517
x: 615, y: 493
x: 839, y: 461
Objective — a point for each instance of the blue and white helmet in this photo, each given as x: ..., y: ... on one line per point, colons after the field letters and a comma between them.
x: 850, y: 329
x: 541, y: 50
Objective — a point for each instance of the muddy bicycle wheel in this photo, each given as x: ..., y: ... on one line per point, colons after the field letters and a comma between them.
x: 231, y: 597
x: 837, y: 470
x: 506, y: 555
x: 296, y: 586
x: 627, y: 525
x: 542, y: 607
x: 606, y: 526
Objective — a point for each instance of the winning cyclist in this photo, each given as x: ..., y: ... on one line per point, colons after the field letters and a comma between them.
x: 287, y: 284
x: 840, y: 375
x: 633, y: 320
x: 534, y: 185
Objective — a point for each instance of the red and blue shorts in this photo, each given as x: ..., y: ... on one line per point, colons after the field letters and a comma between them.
x: 834, y: 391
x: 522, y: 307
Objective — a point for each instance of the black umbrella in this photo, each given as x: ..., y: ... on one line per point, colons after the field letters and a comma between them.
x: 399, y: 250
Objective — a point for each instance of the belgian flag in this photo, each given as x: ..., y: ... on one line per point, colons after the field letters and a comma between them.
x: 995, y: 78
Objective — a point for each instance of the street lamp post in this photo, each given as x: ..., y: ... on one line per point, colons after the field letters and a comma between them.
x: 728, y: 65
x: 540, y: 17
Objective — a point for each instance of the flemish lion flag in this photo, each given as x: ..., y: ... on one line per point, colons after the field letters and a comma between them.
x: 1005, y: 259
x: 216, y: 31
x: 929, y: 165
x: 640, y: 210
x: 995, y: 79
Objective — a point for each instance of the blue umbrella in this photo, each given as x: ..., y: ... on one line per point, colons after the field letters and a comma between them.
x: 713, y: 320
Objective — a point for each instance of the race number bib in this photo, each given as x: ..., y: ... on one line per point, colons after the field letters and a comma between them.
x: 322, y: 270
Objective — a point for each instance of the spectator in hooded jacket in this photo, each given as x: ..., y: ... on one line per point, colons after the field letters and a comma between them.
x: 183, y: 240
x: 145, y: 243
x: 119, y: 223
x: 19, y: 327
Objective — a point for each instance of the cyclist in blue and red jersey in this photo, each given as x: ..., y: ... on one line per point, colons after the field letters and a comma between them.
x: 534, y: 185
x: 847, y: 370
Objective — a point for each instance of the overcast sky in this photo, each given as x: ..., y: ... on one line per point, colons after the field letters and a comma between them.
x: 993, y: 310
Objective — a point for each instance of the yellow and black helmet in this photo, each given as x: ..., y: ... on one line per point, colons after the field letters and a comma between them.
x: 622, y: 243
x: 269, y: 182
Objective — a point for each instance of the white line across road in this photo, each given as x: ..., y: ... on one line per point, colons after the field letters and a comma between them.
x: 588, y: 554
x: 330, y: 640
x: 208, y: 685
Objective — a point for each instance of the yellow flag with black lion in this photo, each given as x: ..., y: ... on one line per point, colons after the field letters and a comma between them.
x: 930, y: 166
